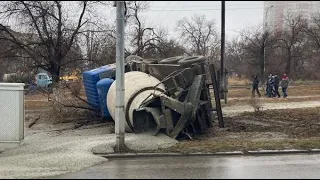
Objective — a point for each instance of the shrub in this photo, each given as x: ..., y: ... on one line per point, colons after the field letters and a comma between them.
x: 75, y: 87
x: 256, y: 104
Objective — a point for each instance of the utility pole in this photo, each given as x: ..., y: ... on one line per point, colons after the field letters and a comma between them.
x: 120, y: 89
x: 223, y: 75
x: 264, y: 47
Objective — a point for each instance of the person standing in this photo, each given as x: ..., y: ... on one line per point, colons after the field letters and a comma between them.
x: 276, y: 82
x: 269, y: 86
x: 284, y: 85
x: 272, y: 86
x: 255, y: 86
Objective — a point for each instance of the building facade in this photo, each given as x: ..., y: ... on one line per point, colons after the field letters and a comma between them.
x: 275, y: 12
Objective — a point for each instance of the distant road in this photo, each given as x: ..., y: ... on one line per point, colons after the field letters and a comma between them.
x: 236, y: 109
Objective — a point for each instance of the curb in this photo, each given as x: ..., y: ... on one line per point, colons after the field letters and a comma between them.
x: 127, y: 155
x: 285, y: 151
x: 232, y: 153
x: 315, y: 150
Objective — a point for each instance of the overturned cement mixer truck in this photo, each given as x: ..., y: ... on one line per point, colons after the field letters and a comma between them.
x: 169, y: 95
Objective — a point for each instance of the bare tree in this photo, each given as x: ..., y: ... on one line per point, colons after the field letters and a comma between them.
x: 313, y: 30
x: 164, y: 49
x: 100, y: 47
x: 144, y: 38
x: 51, y: 33
x: 235, y: 56
x: 199, y: 34
x: 312, y: 63
x: 170, y: 48
x: 292, y: 39
x: 258, y: 44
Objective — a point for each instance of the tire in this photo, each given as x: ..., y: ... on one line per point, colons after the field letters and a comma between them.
x: 171, y: 60
x: 192, y: 60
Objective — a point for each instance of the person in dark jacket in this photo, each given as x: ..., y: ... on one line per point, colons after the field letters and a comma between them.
x: 276, y: 82
x: 284, y: 85
x: 255, y: 86
x: 269, y: 86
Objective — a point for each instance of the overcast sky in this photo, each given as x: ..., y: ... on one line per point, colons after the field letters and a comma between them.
x: 239, y: 14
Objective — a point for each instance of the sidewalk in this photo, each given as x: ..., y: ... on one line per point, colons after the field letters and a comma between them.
x: 234, y: 110
x: 45, y: 154
x: 50, y: 153
x: 289, y: 97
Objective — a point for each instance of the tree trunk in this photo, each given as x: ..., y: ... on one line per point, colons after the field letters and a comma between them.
x: 262, y: 71
x: 55, y: 76
x: 288, y: 66
x: 139, y: 53
x: 55, y: 73
x: 198, y: 50
x: 262, y: 65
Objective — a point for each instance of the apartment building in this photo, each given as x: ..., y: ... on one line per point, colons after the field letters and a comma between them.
x: 275, y: 12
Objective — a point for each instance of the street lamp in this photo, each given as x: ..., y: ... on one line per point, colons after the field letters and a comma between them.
x: 264, y: 47
x: 267, y: 16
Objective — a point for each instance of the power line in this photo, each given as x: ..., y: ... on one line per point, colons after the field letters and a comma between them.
x: 176, y: 15
x: 217, y: 9
x: 180, y: 11
x: 160, y: 12
x: 226, y: 5
x: 168, y: 13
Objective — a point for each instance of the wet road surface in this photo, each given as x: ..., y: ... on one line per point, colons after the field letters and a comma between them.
x: 280, y: 166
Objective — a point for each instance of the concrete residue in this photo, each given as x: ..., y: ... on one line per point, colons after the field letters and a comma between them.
x: 46, y: 154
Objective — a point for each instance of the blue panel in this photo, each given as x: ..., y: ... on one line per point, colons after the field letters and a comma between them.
x: 103, y: 87
x: 90, y: 79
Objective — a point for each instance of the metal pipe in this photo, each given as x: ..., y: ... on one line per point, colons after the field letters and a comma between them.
x: 120, y: 89
x: 222, y: 79
x: 264, y: 47
x: 216, y: 94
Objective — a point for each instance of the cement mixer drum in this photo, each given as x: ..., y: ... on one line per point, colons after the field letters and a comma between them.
x: 139, y: 88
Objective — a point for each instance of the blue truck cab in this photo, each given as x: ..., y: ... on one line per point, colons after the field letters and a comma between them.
x: 43, y: 80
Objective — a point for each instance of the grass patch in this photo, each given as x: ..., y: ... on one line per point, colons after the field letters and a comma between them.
x: 266, y: 130
x: 238, y: 81
x: 241, y: 145
x: 33, y: 105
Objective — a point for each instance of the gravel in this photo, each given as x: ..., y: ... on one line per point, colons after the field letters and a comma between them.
x: 46, y: 154
x: 50, y: 153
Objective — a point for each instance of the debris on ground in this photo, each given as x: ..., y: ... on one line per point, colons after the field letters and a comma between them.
x: 270, y: 129
x: 46, y: 154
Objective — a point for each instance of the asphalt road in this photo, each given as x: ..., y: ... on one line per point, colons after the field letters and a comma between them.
x: 272, y: 167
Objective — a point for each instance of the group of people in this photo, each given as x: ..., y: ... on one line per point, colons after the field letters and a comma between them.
x: 272, y: 86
